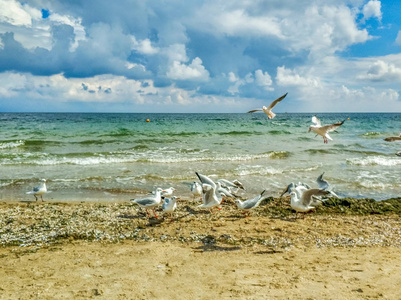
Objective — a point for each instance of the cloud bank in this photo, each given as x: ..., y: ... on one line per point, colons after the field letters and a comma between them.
x: 202, y: 56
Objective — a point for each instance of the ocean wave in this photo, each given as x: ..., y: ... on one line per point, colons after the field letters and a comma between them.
x: 371, y: 134
x: 278, y: 132
x: 260, y: 170
x: 164, y: 155
x: 374, y: 161
x: 320, y: 151
x: 236, y: 132
x: 11, y: 144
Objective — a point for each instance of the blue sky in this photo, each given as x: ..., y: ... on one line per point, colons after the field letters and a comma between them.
x: 200, y: 56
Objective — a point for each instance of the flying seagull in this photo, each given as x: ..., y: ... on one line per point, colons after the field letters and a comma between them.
x: 305, y: 202
x: 324, y: 130
x: 268, y: 110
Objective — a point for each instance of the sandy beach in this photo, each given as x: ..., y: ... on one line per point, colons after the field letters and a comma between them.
x: 112, y: 251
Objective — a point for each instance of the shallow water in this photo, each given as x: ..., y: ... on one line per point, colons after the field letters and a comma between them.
x: 113, y: 156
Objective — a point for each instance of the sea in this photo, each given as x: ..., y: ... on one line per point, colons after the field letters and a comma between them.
x: 119, y: 156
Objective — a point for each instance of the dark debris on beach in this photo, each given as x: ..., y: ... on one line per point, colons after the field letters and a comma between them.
x: 36, y: 225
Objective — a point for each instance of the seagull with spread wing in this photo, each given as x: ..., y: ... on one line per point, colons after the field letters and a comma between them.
x: 306, y: 203
x: 323, y: 130
x: 268, y: 110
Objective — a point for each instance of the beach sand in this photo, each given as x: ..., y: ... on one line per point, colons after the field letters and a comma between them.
x: 112, y: 251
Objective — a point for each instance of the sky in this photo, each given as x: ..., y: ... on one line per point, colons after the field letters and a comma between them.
x: 213, y: 56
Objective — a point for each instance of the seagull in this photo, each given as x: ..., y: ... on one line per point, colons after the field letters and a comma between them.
x: 39, y: 190
x: 304, y: 203
x: 196, y: 189
x: 231, y: 184
x: 150, y: 202
x: 169, y: 204
x: 393, y: 138
x: 209, y: 197
x: 324, y: 185
x: 324, y: 130
x: 294, y: 187
x: 217, y: 186
x: 168, y: 192
x: 268, y: 110
x: 251, y: 203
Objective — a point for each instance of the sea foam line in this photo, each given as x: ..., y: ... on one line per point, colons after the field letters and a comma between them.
x: 374, y: 161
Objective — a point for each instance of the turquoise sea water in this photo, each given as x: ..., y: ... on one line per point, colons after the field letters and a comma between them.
x: 116, y: 156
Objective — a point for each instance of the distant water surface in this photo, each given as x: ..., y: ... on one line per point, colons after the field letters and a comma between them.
x: 115, y: 156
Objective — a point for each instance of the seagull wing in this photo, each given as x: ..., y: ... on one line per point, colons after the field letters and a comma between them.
x: 145, y: 202
x: 332, y: 127
x: 323, y: 184
x: 206, y: 180
x: 276, y: 101
x: 255, y: 110
x: 208, y: 193
x: 316, y: 121
x: 306, y: 198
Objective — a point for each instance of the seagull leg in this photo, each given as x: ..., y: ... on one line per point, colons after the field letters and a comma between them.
x: 41, y: 197
x: 35, y: 197
x: 156, y: 216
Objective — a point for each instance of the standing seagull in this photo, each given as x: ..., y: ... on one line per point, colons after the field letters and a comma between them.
x: 251, y: 203
x: 39, y: 190
x: 168, y: 192
x: 169, y: 204
x: 196, y: 189
x: 324, y: 130
x: 150, y: 202
x: 268, y: 110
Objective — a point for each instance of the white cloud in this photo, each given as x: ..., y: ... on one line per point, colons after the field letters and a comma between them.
x: 30, y: 29
x: 175, y: 52
x: 323, y: 30
x: 144, y: 46
x: 398, y: 38
x: 239, y: 22
x: 232, y: 77
x: 14, y: 13
x: 263, y: 79
x: 288, y: 77
x: 194, y: 71
x: 372, y: 9
x: 382, y: 71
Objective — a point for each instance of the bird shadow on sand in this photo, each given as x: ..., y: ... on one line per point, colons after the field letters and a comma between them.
x: 213, y: 247
x: 196, y: 212
x: 270, y: 251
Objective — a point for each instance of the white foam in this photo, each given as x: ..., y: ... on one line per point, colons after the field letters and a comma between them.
x: 8, y: 145
x: 374, y: 161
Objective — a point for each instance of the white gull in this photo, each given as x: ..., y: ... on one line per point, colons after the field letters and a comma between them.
x: 268, y: 110
x: 323, y: 130
x: 150, y: 202
x: 40, y: 190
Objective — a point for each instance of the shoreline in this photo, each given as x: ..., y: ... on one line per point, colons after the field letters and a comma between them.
x: 78, y: 250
